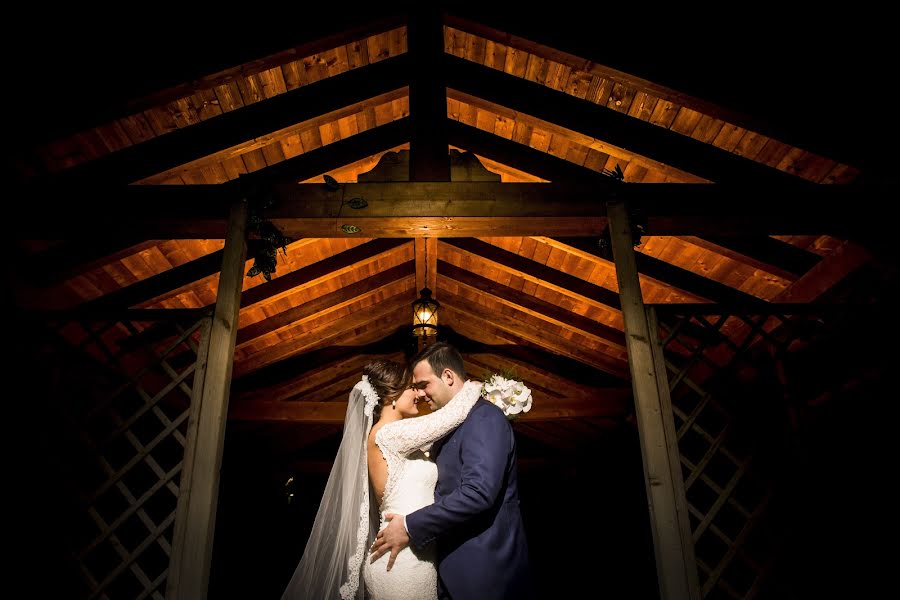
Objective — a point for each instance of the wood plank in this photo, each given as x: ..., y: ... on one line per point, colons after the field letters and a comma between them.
x: 518, y: 332
x: 401, y: 274
x: 620, y: 130
x: 539, y: 273
x: 692, y: 285
x: 458, y: 21
x: 533, y: 306
x: 185, y: 145
x: 388, y: 311
x: 762, y: 252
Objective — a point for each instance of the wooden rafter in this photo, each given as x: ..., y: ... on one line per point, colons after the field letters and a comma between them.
x: 602, y: 123
x: 208, y: 137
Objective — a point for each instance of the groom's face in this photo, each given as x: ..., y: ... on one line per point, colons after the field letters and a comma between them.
x: 430, y: 387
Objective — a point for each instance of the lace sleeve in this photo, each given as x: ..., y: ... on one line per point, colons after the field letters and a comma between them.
x: 409, y: 435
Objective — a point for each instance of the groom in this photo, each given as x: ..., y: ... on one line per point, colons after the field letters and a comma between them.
x: 481, y: 551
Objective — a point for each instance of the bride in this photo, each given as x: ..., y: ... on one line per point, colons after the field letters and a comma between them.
x: 379, y: 469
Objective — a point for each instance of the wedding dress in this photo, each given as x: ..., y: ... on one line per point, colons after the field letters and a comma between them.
x: 335, y: 563
x: 412, y: 476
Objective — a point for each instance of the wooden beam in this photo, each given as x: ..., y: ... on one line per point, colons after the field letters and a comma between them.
x: 304, y: 38
x: 668, y: 274
x: 605, y: 67
x: 332, y: 156
x: 74, y: 258
x: 537, y: 273
x: 461, y: 310
x: 525, y: 158
x: 533, y: 358
x: 600, y: 122
x: 308, y: 380
x: 199, y: 487
x: 184, y: 145
x: 534, y: 306
x: 319, y: 359
x: 761, y: 252
x: 674, y: 547
x: 333, y: 266
x: 462, y: 209
x: 428, y: 150
x: 360, y: 290
x: 384, y: 314
x: 608, y: 403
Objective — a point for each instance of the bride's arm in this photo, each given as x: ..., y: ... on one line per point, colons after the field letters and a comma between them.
x: 409, y: 435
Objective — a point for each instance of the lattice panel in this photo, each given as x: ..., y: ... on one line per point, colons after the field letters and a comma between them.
x: 733, y: 414
x: 127, y: 394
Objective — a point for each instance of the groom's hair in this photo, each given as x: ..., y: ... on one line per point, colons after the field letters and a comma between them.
x: 440, y: 356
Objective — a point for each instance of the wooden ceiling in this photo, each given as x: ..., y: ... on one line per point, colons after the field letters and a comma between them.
x: 531, y: 114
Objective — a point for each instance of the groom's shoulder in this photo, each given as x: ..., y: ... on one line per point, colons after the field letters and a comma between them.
x: 485, y: 411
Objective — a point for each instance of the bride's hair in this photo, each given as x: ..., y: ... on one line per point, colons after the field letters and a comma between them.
x: 390, y: 379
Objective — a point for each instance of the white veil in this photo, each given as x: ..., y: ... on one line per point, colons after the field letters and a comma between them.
x: 331, y: 566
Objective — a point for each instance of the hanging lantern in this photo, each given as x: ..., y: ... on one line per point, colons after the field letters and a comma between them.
x: 425, y: 310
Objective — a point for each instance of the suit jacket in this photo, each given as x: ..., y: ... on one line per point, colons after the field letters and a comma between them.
x: 475, y: 519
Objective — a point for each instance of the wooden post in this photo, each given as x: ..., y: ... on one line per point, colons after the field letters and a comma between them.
x: 429, y: 154
x: 199, y: 489
x: 675, y: 564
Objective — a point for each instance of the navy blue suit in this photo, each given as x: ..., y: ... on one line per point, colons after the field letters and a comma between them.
x: 475, y: 519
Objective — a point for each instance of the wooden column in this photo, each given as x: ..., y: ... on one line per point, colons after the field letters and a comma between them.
x: 675, y: 564
x: 428, y: 149
x: 199, y: 489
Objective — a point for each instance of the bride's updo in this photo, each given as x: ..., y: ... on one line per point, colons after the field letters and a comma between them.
x: 389, y: 378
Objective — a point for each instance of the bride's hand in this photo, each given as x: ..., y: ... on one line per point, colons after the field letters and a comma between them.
x: 393, y: 538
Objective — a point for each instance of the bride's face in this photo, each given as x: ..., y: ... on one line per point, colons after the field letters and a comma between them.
x: 406, y: 404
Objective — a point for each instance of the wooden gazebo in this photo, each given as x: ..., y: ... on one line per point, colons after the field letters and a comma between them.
x: 674, y: 279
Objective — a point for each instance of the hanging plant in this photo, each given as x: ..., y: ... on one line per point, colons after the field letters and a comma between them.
x: 268, y: 239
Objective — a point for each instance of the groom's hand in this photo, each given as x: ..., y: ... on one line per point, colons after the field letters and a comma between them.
x: 393, y: 538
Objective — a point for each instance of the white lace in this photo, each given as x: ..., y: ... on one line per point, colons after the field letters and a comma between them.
x: 349, y: 588
x: 400, y: 438
x: 369, y: 393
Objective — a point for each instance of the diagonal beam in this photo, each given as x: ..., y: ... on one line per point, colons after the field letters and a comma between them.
x: 384, y: 314
x: 608, y: 125
x: 333, y: 266
x: 71, y: 259
x: 462, y: 310
x: 315, y: 362
x: 525, y: 158
x: 540, y: 274
x: 534, y: 358
x: 763, y: 252
x: 185, y: 145
x: 667, y: 273
x: 534, y: 306
x: 360, y: 290
x: 331, y: 156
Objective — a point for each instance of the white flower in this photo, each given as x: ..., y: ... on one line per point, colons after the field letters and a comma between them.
x: 509, y: 395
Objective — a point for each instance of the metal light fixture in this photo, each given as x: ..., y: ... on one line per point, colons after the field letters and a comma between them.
x: 425, y: 308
